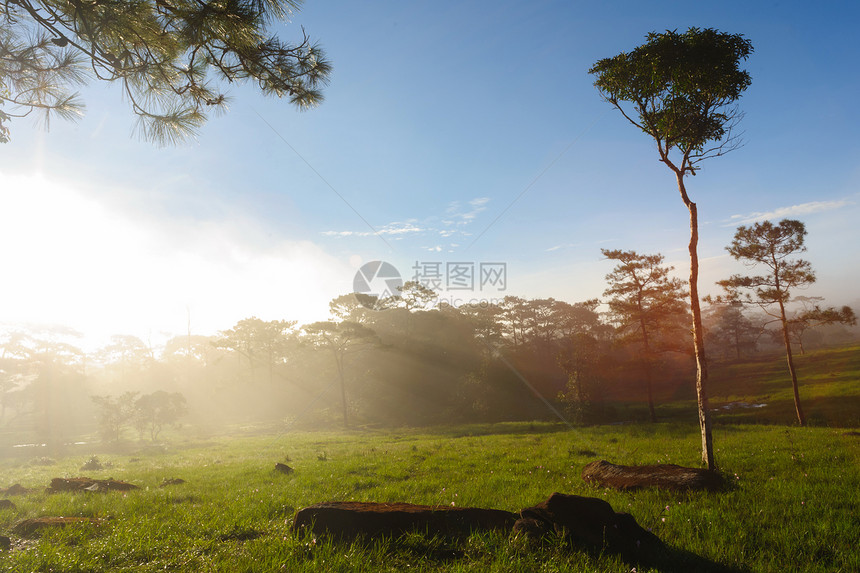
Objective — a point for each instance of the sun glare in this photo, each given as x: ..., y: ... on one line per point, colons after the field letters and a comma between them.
x: 73, y: 261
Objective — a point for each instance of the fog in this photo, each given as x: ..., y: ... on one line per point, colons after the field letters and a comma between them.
x: 397, y: 362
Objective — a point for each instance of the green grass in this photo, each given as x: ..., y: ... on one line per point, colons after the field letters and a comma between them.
x: 829, y: 384
x: 794, y: 505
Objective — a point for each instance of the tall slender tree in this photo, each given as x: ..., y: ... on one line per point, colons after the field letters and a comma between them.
x: 681, y: 89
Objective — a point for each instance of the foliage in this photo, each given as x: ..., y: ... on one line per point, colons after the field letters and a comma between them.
x: 772, y: 247
x: 682, y: 88
x: 813, y: 316
x: 645, y: 302
x: 266, y: 343
x: 730, y: 331
x: 153, y: 411
x: 114, y: 413
x: 149, y: 412
x: 169, y: 56
x: 339, y: 338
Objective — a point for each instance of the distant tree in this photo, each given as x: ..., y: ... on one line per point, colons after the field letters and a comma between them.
x: 126, y: 353
x: 354, y: 306
x: 114, y: 413
x: 813, y: 316
x: 260, y: 342
x: 772, y: 247
x: 339, y: 338
x: 581, y: 360
x: 163, y: 53
x: 153, y: 411
x: 732, y: 330
x: 680, y: 89
x: 415, y: 296
x: 645, y: 302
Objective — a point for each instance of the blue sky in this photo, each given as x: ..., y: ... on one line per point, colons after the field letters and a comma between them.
x: 468, y: 132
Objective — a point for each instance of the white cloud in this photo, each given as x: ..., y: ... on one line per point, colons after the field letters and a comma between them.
x: 458, y: 214
x: 391, y: 229
x: 791, y: 211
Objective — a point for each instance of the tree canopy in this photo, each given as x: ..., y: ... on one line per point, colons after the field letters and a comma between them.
x: 169, y: 56
x: 682, y: 88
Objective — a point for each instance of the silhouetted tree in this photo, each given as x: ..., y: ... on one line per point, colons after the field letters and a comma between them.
x: 261, y: 342
x: 163, y: 53
x: 339, y: 338
x: 680, y: 89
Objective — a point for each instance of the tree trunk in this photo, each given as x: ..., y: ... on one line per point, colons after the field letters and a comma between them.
x: 647, y: 349
x: 650, y: 392
x: 698, y: 332
x: 339, y: 361
x: 801, y: 419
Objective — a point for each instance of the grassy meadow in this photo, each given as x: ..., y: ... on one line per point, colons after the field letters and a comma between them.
x: 792, y: 502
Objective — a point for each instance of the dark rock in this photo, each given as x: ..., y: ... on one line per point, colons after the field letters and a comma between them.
x: 352, y: 519
x: 6, y: 504
x: 530, y: 527
x: 88, y: 484
x: 662, y: 476
x: 174, y: 481
x: 851, y: 433
x: 283, y: 468
x: 590, y: 523
x: 5, y: 543
x: 29, y: 527
x: 16, y: 489
x: 92, y: 464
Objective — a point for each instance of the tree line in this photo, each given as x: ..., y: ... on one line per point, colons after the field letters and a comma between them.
x: 407, y: 361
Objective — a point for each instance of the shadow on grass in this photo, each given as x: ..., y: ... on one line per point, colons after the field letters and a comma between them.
x: 674, y: 560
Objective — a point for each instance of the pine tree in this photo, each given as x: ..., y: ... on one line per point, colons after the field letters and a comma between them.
x: 169, y: 56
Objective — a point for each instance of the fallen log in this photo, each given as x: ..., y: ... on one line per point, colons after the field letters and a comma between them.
x: 661, y: 476
x: 88, y: 484
x: 352, y: 519
x: 29, y: 527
